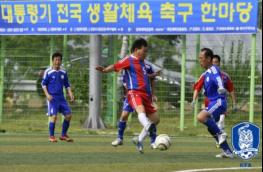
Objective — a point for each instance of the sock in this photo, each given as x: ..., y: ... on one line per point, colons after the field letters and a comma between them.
x: 65, y: 127
x: 143, y: 119
x: 213, y: 134
x: 221, y: 122
x: 225, y: 147
x: 211, y: 125
x: 122, y: 126
x: 51, y: 127
x: 153, y: 133
x: 143, y: 134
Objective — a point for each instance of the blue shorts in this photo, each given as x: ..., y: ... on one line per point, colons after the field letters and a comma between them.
x: 126, y: 106
x: 216, y: 108
x: 58, y: 104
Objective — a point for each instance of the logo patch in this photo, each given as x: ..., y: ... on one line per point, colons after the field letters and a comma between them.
x: 62, y: 76
x: 245, y: 140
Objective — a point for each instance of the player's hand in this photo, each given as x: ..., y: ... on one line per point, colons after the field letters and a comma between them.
x: 193, y: 104
x: 72, y: 98
x: 154, y: 98
x: 49, y: 97
x: 100, y: 68
x: 221, y: 90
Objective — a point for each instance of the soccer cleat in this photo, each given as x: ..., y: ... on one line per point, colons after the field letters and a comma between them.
x: 52, y: 139
x: 153, y: 146
x: 117, y: 142
x: 225, y: 155
x: 66, y: 138
x: 138, y: 144
x: 221, y: 138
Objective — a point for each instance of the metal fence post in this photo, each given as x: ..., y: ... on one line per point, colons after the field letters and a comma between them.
x: 182, y: 97
x: 197, y: 50
x: 2, y: 57
x: 252, y: 77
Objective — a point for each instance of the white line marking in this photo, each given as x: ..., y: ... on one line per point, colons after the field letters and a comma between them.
x: 220, y: 169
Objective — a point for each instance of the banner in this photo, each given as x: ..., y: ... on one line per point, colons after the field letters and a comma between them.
x: 127, y: 17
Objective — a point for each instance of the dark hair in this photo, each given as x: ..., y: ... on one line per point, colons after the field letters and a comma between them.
x: 56, y: 54
x: 138, y: 43
x: 217, y: 57
x: 208, y: 52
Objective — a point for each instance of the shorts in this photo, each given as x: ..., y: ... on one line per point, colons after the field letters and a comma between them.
x: 126, y: 106
x: 137, y: 98
x: 216, y: 108
x: 58, y: 105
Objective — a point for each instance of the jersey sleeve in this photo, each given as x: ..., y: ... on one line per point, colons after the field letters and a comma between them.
x: 66, y: 81
x: 200, y: 83
x: 122, y: 64
x: 217, y: 76
x: 44, y: 82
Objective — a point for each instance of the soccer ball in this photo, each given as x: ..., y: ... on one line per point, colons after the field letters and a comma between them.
x: 163, y: 142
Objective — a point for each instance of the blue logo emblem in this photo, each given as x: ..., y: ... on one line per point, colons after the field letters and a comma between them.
x: 245, y: 140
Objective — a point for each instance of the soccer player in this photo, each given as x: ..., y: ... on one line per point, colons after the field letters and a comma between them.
x: 127, y: 109
x: 228, y: 84
x: 54, y: 80
x: 139, y: 89
x: 216, y: 93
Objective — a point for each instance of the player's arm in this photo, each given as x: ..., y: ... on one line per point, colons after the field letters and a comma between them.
x: 107, y: 69
x: 121, y: 64
x: 153, y: 89
x: 49, y: 97
x: 218, y: 80
x: 154, y: 74
x: 197, y: 88
x: 68, y: 88
x: 44, y: 84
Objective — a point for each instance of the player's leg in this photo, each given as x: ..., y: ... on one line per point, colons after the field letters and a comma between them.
x: 217, y: 108
x: 221, y: 123
x: 121, y: 128
x: 65, y: 110
x: 136, y: 101
x: 51, y: 127
x: 52, y: 117
x: 155, y: 119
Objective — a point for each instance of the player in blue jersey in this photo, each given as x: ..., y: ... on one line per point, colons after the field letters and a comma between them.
x: 216, y: 93
x: 54, y: 80
x: 127, y: 109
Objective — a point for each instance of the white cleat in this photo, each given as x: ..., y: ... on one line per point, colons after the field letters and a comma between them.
x: 221, y: 138
x: 139, y: 145
x: 153, y: 146
x: 117, y: 142
x: 225, y: 155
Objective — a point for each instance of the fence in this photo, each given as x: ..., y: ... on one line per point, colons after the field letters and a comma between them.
x: 25, y: 58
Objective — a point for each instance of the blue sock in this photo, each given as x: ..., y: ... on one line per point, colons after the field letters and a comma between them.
x: 65, y: 127
x: 225, y: 147
x: 153, y: 133
x: 213, y: 134
x: 211, y: 125
x: 51, y: 128
x: 122, y: 126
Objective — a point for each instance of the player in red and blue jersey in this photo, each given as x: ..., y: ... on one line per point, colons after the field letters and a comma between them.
x: 127, y: 109
x: 216, y: 93
x: 54, y: 80
x: 139, y: 88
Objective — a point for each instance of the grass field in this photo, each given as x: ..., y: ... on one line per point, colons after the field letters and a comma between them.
x: 93, y: 153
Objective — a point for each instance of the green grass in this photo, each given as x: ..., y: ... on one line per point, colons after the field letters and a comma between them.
x: 33, y: 153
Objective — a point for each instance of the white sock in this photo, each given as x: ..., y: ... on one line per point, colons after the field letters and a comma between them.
x: 143, y: 134
x: 143, y: 119
x: 221, y: 122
